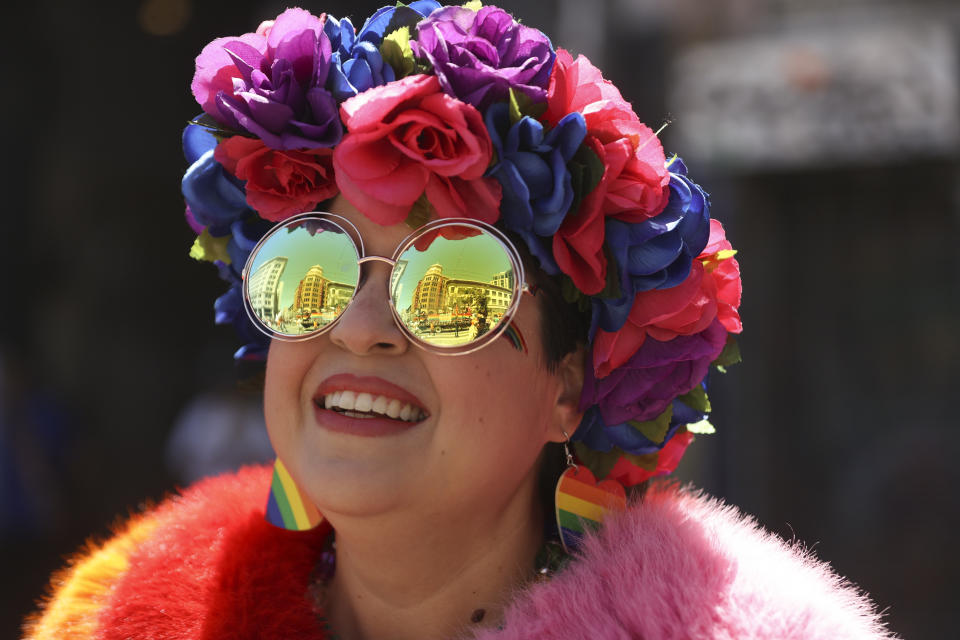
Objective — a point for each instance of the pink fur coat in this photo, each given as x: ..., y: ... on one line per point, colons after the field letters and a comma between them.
x: 206, y: 566
x: 680, y: 565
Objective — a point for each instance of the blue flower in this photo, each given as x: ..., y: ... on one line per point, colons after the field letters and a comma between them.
x: 215, y: 197
x: 656, y: 253
x: 229, y: 310
x: 532, y: 168
x: 357, y: 64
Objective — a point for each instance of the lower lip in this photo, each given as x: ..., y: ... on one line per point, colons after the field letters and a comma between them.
x: 364, y: 427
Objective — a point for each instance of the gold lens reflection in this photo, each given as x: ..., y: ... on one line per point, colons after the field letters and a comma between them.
x: 454, y: 291
x: 302, y: 277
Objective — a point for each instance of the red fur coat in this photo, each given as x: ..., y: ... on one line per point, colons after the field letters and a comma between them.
x: 205, y: 565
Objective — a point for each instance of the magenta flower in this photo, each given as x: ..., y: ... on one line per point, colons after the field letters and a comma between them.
x: 271, y: 83
x: 643, y: 387
x: 479, y: 55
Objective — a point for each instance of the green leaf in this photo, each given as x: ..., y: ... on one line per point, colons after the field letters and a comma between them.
x: 523, y: 105
x: 473, y: 5
x: 703, y: 427
x: 729, y: 356
x: 218, y: 130
x: 654, y: 430
x: 586, y: 171
x: 420, y: 212
x: 396, y: 52
x: 599, y: 462
x: 208, y: 248
x: 612, y: 288
x: 571, y: 294
x: 696, y: 399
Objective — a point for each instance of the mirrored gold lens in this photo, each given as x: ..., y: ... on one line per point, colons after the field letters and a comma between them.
x: 453, y: 289
x: 302, y: 277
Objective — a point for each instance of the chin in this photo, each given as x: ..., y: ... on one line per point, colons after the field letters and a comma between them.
x: 354, y: 486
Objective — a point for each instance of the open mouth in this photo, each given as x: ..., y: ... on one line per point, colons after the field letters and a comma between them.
x: 366, y: 405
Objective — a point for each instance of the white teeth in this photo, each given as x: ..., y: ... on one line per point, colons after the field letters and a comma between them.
x: 348, y: 400
x: 354, y: 404
x: 364, y: 402
x: 393, y: 408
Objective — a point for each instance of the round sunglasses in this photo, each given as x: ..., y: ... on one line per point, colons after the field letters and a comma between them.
x: 454, y: 283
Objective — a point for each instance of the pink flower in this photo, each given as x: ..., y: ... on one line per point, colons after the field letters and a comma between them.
x: 216, y: 70
x: 279, y: 183
x: 407, y: 137
x: 635, y: 180
x: 711, y: 291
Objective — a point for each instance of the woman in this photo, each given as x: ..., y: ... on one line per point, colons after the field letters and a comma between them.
x: 456, y: 169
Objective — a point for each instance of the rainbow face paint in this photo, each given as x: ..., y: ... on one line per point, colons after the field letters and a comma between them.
x: 287, y: 508
x: 512, y: 333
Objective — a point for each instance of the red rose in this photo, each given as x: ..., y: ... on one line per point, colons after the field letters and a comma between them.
x: 662, y: 463
x: 280, y: 183
x: 718, y: 258
x: 406, y: 137
x: 712, y: 290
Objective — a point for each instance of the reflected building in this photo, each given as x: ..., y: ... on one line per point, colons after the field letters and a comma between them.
x: 503, y: 279
x: 318, y: 295
x: 441, y: 296
x: 429, y: 296
x: 309, y: 293
x: 263, y: 287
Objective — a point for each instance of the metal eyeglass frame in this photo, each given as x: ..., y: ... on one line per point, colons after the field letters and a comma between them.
x: 350, y: 231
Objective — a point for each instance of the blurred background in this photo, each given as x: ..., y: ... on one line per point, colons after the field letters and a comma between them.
x: 827, y: 132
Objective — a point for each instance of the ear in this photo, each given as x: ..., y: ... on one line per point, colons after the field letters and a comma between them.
x: 567, y: 413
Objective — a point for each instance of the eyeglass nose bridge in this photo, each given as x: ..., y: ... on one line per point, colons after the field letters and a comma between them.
x: 385, y: 259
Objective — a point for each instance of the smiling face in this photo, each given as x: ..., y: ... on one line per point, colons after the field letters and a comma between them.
x: 467, y: 429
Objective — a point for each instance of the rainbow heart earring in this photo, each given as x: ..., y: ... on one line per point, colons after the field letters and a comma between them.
x: 582, y: 503
x: 287, y: 507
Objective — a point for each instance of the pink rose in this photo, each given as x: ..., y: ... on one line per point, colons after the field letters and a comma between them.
x: 635, y: 167
x: 407, y: 137
x: 711, y: 291
x: 279, y: 183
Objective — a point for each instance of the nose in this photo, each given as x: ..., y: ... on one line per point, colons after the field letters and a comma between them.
x: 366, y: 326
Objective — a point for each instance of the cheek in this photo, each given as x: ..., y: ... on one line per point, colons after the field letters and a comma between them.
x: 287, y: 368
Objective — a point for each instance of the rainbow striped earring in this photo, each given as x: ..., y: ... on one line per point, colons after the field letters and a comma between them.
x: 287, y: 507
x: 582, y: 503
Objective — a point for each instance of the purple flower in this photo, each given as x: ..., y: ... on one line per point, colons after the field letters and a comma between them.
x: 656, y: 253
x: 479, y: 56
x: 215, y: 199
x: 277, y: 91
x: 599, y: 436
x: 356, y: 63
x: 532, y: 168
x: 643, y: 387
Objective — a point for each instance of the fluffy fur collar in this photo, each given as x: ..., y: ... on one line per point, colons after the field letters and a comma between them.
x: 205, y: 565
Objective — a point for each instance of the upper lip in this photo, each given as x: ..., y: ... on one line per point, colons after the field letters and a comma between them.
x: 366, y: 384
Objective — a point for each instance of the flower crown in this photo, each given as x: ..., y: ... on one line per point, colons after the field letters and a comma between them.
x: 460, y: 111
